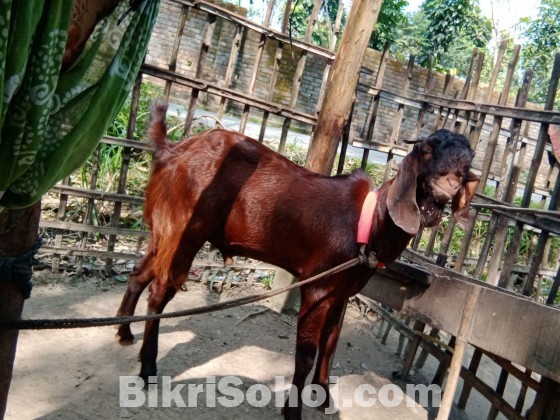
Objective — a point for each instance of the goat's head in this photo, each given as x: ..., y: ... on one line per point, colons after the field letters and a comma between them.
x: 435, y: 172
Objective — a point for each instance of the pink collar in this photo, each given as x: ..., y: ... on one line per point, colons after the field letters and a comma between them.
x: 366, y: 217
x: 364, y: 227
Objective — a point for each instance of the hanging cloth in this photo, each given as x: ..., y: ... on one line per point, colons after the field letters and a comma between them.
x: 52, y: 120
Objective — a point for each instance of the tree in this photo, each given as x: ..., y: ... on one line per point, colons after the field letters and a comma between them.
x: 450, y: 20
x: 299, y: 16
x: 542, y: 39
x: 390, y: 17
x: 414, y: 36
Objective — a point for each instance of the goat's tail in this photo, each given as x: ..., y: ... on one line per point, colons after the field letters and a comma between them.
x: 158, y: 129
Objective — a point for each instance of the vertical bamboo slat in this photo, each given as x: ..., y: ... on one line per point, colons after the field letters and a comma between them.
x: 206, y: 42
x: 123, y: 175
x: 233, y: 55
x: 511, y: 255
x: 175, y: 51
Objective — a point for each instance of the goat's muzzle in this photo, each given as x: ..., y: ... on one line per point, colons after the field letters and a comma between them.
x: 445, y: 187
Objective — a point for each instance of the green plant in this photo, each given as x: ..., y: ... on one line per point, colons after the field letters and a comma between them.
x: 267, y: 281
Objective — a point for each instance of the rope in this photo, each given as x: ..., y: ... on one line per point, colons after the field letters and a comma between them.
x: 43, y: 324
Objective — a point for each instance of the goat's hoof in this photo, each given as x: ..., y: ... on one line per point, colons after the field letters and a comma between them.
x: 291, y: 413
x: 125, y: 339
x: 146, y: 374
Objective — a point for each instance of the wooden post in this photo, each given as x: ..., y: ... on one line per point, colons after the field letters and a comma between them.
x: 286, y: 18
x: 339, y: 96
x: 467, y: 387
x: 427, y: 89
x: 473, y: 90
x: 474, y: 133
x: 369, y: 125
x: 268, y: 14
x: 18, y: 234
x: 500, y: 388
x: 411, y: 349
x: 342, y: 85
x: 458, y: 354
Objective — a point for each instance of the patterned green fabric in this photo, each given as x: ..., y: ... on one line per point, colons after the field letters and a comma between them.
x: 51, y: 122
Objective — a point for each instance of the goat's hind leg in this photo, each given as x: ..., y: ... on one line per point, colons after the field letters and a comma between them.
x: 159, y: 298
x: 162, y: 290
x: 141, y: 275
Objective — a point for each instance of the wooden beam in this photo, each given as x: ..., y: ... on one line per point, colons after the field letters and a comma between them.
x: 341, y: 88
x: 496, y: 317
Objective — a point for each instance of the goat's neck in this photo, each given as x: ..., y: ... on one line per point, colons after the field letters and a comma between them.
x: 387, y: 240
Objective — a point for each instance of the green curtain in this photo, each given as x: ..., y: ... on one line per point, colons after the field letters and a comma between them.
x: 51, y: 122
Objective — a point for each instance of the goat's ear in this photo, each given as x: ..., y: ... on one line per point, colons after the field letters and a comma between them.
x: 401, y: 199
x: 462, y: 200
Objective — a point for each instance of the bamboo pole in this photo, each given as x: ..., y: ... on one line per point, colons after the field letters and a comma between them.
x: 474, y: 136
x: 175, y: 51
x: 439, y: 119
x: 206, y: 42
x: 467, y: 387
x: 298, y: 75
x: 475, y: 131
x: 369, y: 125
x: 233, y: 55
x: 332, y: 47
x: 123, y: 174
x: 425, y: 105
x: 254, y: 74
x: 513, y: 249
x: 398, y: 118
x: 509, y: 178
x: 474, y: 90
x: 497, y: 124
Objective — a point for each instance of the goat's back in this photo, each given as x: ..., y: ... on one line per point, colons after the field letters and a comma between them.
x: 249, y: 200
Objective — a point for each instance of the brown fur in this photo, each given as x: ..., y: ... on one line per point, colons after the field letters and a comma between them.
x: 225, y: 188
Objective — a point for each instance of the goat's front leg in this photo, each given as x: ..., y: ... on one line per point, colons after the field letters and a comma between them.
x: 327, y: 347
x: 159, y: 298
x: 140, y: 277
x: 311, y: 320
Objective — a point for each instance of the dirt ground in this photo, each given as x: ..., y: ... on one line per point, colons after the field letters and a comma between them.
x: 74, y: 374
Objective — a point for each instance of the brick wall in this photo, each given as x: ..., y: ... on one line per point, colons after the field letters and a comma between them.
x: 218, y: 57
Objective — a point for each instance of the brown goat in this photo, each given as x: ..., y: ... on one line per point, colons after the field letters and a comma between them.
x: 223, y: 187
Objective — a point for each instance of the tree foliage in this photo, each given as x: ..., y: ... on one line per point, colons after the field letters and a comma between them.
x: 323, y: 31
x: 390, y: 17
x: 542, y: 39
x: 452, y: 20
x: 418, y: 35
